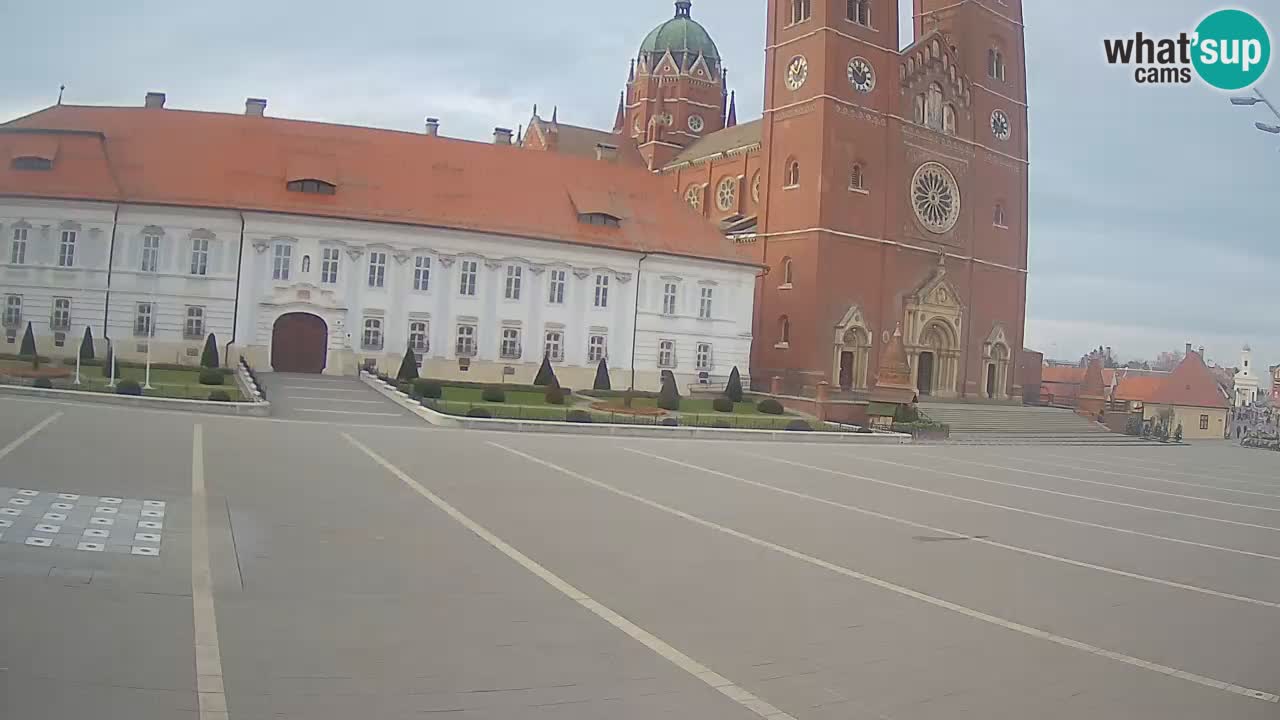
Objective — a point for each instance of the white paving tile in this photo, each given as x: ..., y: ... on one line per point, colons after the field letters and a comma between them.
x: 68, y: 496
x: 146, y: 537
x: 54, y: 517
x: 39, y: 542
x: 153, y: 513
x: 150, y: 525
x: 111, y: 500
x: 96, y: 533
x: 5, y: 523
x: 47, y: 528
x: 101, y: 521
x: 10, y: 511
x: 62, y: 506
x: 153, y: 504
x: 106, y: 510
x: 28, y: 493
x: 19, y: 501
x: 91, y: 547
x: 149, y: 551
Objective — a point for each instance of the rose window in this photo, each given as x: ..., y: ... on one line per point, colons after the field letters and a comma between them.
x: 935, y: 197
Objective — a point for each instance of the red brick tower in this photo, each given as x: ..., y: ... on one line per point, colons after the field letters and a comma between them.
x: 675, y: 89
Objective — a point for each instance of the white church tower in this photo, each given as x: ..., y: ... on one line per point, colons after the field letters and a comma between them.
x: 1247, y: 385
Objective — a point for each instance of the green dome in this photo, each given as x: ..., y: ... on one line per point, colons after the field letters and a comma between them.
x: 683, y: 37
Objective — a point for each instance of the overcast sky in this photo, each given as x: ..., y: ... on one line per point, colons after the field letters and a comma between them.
x: 1153, y: 209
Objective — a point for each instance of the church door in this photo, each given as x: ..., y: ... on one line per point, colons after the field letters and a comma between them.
x: 924, y: 383
x: 846, y: 371
x: 299, y: 343
x: 991, y: 380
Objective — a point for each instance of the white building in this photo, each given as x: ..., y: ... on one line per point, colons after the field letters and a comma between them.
x: 1248, y: 388
x: 321, y: 248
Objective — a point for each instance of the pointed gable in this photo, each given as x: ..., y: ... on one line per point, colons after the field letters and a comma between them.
x: 1191, y: 384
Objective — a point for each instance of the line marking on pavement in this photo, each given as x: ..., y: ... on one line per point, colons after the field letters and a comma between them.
x: 1117, y: 485
x: 342, y: 400
x: 1252, y: 483
x: 1059, y: 493
x: 1236, y: 468
x: 1010, y: 508
x: 959, y: 535
x: 646, y: 638
x: 209, y: 687
x: 324, y: 389
x: 28, y: 434
x: 908, y: 592
x: 347, y: 412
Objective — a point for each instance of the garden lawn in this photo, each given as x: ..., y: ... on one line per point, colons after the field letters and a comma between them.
x: 472, y: 395
x: 698, y: 406
x: 183, y: 384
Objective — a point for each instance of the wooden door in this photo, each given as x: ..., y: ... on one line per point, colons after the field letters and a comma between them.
x: 299, y: 343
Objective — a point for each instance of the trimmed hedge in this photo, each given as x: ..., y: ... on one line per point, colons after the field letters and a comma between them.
x: 555, y: 395
x: 617, y: 394
x: 44, y: 383
x: 480, y: 413
x: 493, y: 395
x: 210, y: 376
x: 129, y: 387
x: 428, y: 389
x: 578, y: 416
x: 722, y: 425
x: 219, y: 396
x: 769, y: 406
x: 671, y: 422
x: 799, y: 426
x: 722, y: 404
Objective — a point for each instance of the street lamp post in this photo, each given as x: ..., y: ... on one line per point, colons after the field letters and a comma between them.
x: 1250, y: 101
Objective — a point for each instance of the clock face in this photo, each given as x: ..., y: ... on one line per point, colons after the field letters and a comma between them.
x: 696, y: 123
x: 1000, y: 126
x: 861, y: 75
x: 797, y: 72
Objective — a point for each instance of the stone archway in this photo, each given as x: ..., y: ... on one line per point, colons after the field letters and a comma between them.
x: 299, y: 343
x: 852, y: 359
x: 995, y: 365
x: 937, y: 360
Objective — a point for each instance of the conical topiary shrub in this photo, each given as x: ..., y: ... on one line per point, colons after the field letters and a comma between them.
x: 408, y: 366
x: 669, y: 395
x: 209, y: 358
x: 546, y: 376
x: 86, y: 345
x: 733, y: 390
x: 28, y: 347
x: 602, y: 376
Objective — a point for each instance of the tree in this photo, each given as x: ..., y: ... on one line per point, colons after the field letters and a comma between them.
x: 1167, y: 361
x: 209, y: 358
x: 86, y: 345
x: 546, y: 374
x: 28, y: 348
x: 733, y: 390
x: 408, y: 366
x: 602, y: 376
x: 1177, y: 434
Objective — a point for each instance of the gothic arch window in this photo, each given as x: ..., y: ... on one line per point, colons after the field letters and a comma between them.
x: 995, y: 64
x: 857, y: 179
x: 933, y: 107
x: 919, y: 115
x: 787, y: 273
x: 999, y: 219
x: 949, y: 119
x: 306, y: 264
x: 800, y: 10
x: 792, y: 176
x: 784, y: 332
x: 935, y: 49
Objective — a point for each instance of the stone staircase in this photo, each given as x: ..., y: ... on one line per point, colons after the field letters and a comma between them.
x: 979, y: 423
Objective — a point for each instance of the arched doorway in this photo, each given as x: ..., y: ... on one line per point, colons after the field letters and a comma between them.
x: 299, y: 343
x: 925, y: 374
x: 991, y: 380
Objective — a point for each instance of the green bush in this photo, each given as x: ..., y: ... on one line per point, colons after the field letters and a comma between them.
x: 86, y: 345
x: 209, y: 358
x: 428, y: 389
x: 733, y: 390
x: 722, y: 404
x: 722, y: 425
x: 493, y: 395
x: 128, y: 387
x: 404, y: 387
x: 219, y: 396
x: 669, y: 395
x: 769, y: 406
x: 554, y: 396
x: 799, y: 426
x: 28, y: 348
x: 578, y: 416
x: 617, y: 394
x: 670, y: 422
x: 211, y: 377
x: 408, y: 366
x: 602, y: 376
x: 546, y: 376
x: 480, y: 413
x: 44, y: 383
x: 906, y: 414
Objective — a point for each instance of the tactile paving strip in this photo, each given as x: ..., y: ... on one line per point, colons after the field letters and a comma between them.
x: 87, y: 523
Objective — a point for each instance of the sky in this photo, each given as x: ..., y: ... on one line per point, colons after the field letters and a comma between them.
x: 1153, y: 213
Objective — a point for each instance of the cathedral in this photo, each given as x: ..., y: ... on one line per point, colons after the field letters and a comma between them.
x: 883, y: 190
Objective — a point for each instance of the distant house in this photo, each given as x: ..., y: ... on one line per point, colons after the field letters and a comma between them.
x: 1196, y: 398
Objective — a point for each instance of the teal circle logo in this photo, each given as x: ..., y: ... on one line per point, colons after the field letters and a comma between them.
x: 1232, y: 50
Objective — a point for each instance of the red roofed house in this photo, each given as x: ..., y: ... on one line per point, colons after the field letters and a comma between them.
x: 1197, y: 400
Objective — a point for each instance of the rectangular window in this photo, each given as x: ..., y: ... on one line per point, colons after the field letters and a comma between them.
x: 860, y: 12
x: 282, y: 265
x: 554, y: 345
x: 12, y: 311
x: 510, y: 348
x: 556, y: 294
x: 704, y: 304
x: 467, y: 279
x: 194, y: 327
x: 18, y: 252
x: 602, y: 291
x: 669, y: 299
x: 372, y: 338
x: 422, y: 273
x: 200, y: 256
x: 1204, y: 422
x: 143, y: 321
x: 667, y: 354
x: 704, y: 356
x: 60, y: 319
x: 597, y: 346
x: 150, y: 253
x: 329, y: 267
x: 67, y: 249
x: 800, y: 10
x: 419, y: 339
x: 466, y: 346
x: 377, y: 269
x: 515, y: 277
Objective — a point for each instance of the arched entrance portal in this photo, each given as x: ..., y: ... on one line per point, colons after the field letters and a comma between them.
x: 299, y: 343
x: 925, y: 374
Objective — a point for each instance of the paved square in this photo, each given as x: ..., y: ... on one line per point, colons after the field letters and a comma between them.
x: 64, y: 520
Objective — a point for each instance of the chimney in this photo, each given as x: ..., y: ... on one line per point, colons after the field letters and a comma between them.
x: 255, y: 107
x: 1201, y: 352
x: 433, y: 127
x: 606, y: 152
x: 502, y: 136
x: 1188, y: 348
x: 155, y: 100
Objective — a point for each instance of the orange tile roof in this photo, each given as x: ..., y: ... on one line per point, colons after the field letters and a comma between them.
x: 1063, y: 375
x: 1139, y: 388
x: 218, y: 160
x: 1191, y: 384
